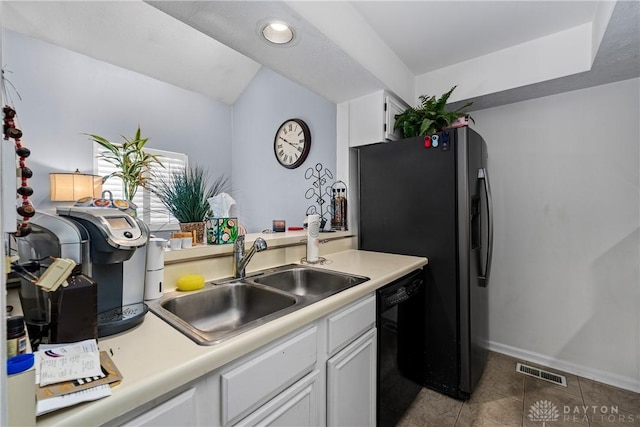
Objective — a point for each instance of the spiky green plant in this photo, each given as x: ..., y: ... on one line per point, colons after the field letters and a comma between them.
x: 185, y: 193
x: 132, y: 162
x: 429, y: 117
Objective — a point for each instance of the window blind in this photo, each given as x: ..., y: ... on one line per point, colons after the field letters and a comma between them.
x: 150, y: 209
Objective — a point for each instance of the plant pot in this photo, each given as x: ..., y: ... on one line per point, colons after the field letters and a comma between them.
x: 197, y: 226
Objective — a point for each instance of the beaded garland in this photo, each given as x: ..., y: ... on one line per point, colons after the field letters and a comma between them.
x: 26, y: 209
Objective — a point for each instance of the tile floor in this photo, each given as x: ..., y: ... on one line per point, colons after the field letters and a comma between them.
x: 505, y: 398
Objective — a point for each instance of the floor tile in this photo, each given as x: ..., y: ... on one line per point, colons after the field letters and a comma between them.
x: 620, y: 419
x: 487, y: 408
x: 598, y: 394
x: 552, y: 403
x: 433, y: 409
x: 505, y: 398
x: 407, y: 421
x: 500, y: 376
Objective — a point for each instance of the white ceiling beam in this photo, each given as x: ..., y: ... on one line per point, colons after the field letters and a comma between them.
x: 345, y: 27
x: 600, y: 23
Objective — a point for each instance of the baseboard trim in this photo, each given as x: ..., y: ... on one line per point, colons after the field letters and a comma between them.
x: 572, y: 368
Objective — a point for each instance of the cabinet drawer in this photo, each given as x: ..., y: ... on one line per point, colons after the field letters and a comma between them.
x: 296, y: 406
x: 179, y: 410
x: 350, y: 323
x: 253, y: 383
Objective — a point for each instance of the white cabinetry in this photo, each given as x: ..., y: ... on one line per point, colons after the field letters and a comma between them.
x: 296, y: 406
x: 251, y: 384
x: 322, y: 374
x: 372, y: 118
x: 351, y: 384
x: 350, y: 322
x: 180, y: 410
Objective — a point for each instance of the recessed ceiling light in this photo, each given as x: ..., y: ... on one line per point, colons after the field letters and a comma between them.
x: 278, y: 33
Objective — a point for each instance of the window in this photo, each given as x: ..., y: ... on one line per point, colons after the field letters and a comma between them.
x: 150, y: 209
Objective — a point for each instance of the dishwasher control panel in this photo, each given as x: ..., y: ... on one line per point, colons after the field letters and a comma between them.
x: 400, y: 290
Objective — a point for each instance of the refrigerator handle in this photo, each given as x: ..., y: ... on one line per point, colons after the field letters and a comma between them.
x: 484, y: 278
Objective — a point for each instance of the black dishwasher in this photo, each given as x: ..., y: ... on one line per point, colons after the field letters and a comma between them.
x: 400, y: 306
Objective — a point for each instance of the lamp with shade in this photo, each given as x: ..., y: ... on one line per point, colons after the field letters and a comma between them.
x: 70, y: 187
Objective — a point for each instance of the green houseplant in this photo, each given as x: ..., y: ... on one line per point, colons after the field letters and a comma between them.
x: 132, y: 163
x: 429, y: 117
x: 185, y: 194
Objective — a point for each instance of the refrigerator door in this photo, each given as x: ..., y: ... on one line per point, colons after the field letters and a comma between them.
x: 408, y: 206
x: 472, y: 244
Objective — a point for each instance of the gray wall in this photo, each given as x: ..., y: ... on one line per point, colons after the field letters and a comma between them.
x: 565, y: 177
x: 263, y: 189
x: 65, y: 94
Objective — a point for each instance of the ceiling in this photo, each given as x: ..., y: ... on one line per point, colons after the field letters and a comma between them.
x: 427, y: 35
x: 347, y: 49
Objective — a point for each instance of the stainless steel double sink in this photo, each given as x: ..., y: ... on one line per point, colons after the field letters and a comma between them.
x: 224, y: 309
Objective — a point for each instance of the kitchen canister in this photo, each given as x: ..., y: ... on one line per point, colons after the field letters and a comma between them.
x: 16, y: 336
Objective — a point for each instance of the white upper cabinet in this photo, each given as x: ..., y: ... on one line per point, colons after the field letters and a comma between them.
x: 372, y: 118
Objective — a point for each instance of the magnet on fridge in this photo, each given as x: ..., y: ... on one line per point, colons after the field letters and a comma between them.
x: 434, y: 141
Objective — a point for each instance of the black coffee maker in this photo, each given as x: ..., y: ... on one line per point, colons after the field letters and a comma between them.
x: 104, y: 244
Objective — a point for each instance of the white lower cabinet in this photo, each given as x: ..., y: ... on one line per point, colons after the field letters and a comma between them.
x: 180, y: 410
x: 250, y: 384
x: 322, y: 374
x: 351, y: 384
x: 295, y: 407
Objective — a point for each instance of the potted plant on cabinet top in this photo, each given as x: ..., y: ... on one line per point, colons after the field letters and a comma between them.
x: 132, y: 163
x: 185, y: 194
x: 429, y: 117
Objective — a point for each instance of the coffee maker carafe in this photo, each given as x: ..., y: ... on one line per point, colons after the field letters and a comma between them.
x: 50, y: 318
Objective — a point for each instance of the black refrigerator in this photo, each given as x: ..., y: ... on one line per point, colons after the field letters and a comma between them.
x: 430, y: 196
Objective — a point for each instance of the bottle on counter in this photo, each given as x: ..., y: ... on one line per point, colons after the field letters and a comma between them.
x: 336, y: 218
x: 16, y: 336
x: 343, y: 200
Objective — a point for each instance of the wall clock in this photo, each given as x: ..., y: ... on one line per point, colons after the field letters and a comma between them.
x: 292, y: 143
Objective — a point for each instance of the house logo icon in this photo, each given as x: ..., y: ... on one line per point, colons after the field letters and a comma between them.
x: 543, y: 411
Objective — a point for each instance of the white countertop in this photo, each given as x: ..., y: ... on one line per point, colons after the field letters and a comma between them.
x: 154, y: 358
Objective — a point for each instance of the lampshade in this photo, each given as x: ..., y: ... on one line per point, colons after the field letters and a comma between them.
x: 69, y: 187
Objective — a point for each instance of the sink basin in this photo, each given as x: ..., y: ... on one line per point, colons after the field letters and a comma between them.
x: 306, y: 281
x: 221, y: 311
x: 226, y: 309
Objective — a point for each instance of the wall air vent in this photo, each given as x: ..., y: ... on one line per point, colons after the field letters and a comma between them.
x: 541, y: 374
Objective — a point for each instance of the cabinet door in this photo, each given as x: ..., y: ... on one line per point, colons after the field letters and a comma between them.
x: 249, y: 385
x: 372, y: 117
x: 351, y: 384
x: 297, y: 406
x: 392, y: 107
x: 177, y: 411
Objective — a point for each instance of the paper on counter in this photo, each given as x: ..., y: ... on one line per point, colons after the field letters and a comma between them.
x: 70, y: 367
x: 94, y: 393
x: 56, y: 350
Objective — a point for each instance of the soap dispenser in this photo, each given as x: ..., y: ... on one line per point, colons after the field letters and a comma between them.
x: 154, y: 274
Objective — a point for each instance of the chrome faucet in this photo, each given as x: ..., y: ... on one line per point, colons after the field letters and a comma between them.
x: 240, y: 258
